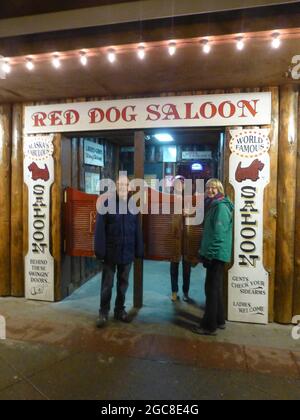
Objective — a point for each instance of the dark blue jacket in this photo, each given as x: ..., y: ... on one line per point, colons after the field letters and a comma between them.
x: 118, y: 238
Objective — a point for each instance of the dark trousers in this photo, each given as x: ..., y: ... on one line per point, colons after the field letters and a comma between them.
x: 174, y: 270
x: 108, y: 274
x: 214, y: 312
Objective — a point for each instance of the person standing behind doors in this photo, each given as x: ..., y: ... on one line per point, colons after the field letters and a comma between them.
x: 215, y: 251
x: 174, y: 266
x: 118, y: 241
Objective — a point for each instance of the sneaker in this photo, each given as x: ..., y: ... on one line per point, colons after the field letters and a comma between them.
x: 122, y: 316
x: 102, y: 321
x: 174, y: 297
x: 202, y: 331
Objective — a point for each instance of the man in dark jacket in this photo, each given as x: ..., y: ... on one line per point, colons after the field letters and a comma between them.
x: 118, y: 241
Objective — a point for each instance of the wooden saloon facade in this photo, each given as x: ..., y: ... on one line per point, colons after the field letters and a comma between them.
x: 186, y: 74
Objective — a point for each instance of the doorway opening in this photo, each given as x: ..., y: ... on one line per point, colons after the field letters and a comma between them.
x: 192, y: 153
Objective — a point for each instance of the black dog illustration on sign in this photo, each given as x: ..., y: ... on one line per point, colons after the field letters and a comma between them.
x: 251, y: 172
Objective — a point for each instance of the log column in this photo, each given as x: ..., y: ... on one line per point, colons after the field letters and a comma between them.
x: 56, y: 217
x: 296, y: 304
x: 139, y: 158
x: 270, y: 203
x: 5, y: 174
x: 285, y: 268
x: 16, y: 256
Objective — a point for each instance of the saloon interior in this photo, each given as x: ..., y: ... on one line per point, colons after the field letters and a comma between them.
x: 193, y: 153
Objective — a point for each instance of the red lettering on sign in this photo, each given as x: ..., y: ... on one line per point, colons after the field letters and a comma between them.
x: 55, y: 118
x: 153, y: 111
x: 227, y: 105
x: 126, y: 116
x: 39, y: 119
x: 96, y: 115
x: 71, y: 116
x: 113, y: 114
x: 188, y: 112
x: 243, y: 105
x: 208, y: 107
x: 170, y: 112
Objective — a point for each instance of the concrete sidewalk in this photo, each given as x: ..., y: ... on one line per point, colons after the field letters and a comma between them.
x: 54, y: 351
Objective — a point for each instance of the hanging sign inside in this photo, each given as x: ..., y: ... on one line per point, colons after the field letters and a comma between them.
x: 249, y: 175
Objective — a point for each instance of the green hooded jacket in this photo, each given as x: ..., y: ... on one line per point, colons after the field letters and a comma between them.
x: 217, y: 236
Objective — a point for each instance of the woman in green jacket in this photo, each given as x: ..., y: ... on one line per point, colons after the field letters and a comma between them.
x: 215, y: 251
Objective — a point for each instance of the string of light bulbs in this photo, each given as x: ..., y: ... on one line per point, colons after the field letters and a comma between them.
x: 141, y: 51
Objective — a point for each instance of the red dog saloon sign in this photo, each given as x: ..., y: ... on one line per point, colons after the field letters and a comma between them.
x: 180, y: 111
x: 39, y: 176
x: 249, y: 175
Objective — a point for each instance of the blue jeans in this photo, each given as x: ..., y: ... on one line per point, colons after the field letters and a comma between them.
x: 108, y: 274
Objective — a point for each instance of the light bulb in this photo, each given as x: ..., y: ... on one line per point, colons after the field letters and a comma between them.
x: 206, y: 47
x: 276, y: 42
x: 172, y: 48
x: 240, y: 45
x: 83, y: 59
x: 111, y: 56
x: 29, y: 64
x: 56, y: 62
x: 141, y: 52
x: 6, y: 67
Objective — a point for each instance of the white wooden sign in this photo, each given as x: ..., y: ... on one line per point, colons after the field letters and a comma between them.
x: 39, y: 176
x: 180, y: 111
x: 249, y: 175
x: 93, y: 153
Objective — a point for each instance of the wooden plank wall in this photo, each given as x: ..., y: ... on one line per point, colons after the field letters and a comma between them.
x: 270, y: 203
x: 285, y: 244
x: 296, y: 302
x: 16, y: 255
x: 5, y: 200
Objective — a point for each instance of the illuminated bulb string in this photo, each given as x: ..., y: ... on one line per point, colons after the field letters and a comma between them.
x: 141, y: 53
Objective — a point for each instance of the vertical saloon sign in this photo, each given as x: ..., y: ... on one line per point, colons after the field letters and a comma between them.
x: 39, y: 176
x: 249, y: 175
x: 179, y: 111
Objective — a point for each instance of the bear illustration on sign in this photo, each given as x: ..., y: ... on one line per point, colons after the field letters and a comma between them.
x: 39, y: 173
x: 251, y: 172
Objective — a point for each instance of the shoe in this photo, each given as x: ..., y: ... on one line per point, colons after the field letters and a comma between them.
x: 202, y: 331
x: 222, y: 327
x: 175, y: 297
x: 102, y: 321
x: 186, y: 298
x: 122, y: 316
